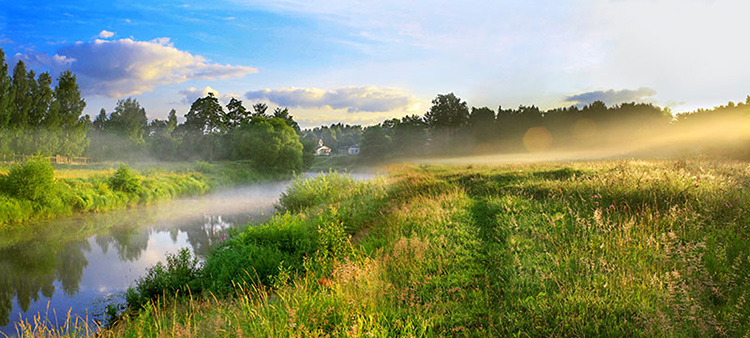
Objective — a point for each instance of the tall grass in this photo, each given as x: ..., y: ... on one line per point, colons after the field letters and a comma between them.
x: 622, y: 249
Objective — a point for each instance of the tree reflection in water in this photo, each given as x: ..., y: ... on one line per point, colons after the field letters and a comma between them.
x: 40, y: 258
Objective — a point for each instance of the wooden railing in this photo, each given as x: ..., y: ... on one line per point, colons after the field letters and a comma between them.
x: 57, y: 159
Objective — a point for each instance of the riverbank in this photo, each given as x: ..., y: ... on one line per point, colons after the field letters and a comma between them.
x: 627, y: 248
x: 37, y: 190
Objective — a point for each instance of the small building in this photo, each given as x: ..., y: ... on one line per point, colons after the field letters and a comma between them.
x: 354, y: 150
x: 322, y: 150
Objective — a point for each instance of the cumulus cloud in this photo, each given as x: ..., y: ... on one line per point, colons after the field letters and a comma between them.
x: 105, y: 34
x: 611, y: 97
x: 124, y: 67
x: 353, y: 99
x: 191, y: 94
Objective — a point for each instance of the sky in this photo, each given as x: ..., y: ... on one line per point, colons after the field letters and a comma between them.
x: 360, y: 62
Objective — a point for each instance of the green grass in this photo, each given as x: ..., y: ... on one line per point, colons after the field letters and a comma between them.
x: 617, y: 249
x: 102, y: 187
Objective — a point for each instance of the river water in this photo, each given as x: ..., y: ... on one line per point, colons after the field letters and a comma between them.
x: 83, y: 263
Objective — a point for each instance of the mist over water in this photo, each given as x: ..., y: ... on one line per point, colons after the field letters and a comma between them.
x: 86, y: 262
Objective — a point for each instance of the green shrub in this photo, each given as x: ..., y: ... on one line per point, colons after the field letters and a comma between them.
x: 32, y: 180
x: 255, y: 254
x: 180, y: 275
x: 307, y: 192
x: 125, y: 180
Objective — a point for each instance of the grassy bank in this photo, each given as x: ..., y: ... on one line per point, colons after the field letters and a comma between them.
x: 629, y: 248
x: 36, y: 189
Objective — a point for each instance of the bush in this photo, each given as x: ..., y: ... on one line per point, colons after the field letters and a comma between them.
x: 325, y: 188
x: 254, y: 255
x: 125, y: 180
x: 32, y: 180
x: 180, y: 276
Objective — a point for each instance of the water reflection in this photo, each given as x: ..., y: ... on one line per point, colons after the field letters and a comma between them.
x: 85, y: 261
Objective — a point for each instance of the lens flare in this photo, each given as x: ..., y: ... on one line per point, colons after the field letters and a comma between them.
x: 537, y: 139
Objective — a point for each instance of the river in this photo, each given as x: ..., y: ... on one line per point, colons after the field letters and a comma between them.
x: 83, y: 263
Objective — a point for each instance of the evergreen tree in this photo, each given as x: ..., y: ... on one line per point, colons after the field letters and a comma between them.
x: 65, y: 115
x: 20, y: 96
x: 42, y: 96
x: 172, y: 120
x: 236, y: 114
x: 100, y: 121
x: 5, y: 93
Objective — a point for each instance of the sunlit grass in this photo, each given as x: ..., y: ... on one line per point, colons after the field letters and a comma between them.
x: 618, y: 248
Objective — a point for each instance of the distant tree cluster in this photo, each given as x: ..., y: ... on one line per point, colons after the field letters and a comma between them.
x: 451, y: 128
x: 37, y: 118
x: 271, y: 142
x: 339, y: 137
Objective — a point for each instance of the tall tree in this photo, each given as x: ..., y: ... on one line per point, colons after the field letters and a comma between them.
x: 205, y: 120
x: 482, y: 121
x: 410, y: 135
x: 68, y: 104
x: 20, y: 96
x: 172, y: 120
x: 5, y: 98
x: 259, y: 109
x: 446, y: 117
x: 100, y: 121
x: 447, y: 111
x: 283, y: 114
x: 65, y: 112
x: 129, y: 119
x: 42, y: 96
x: 205, y: 115
x: 236, y: 114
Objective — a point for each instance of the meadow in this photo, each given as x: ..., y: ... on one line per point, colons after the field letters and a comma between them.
x: 611, y: 248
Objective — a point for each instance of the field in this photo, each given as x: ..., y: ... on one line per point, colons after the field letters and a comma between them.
x: 623, y: 248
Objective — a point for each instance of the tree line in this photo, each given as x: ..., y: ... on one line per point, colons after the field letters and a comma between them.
x: 270, y: 141
x: 39, y: 118
x: 449, y: 127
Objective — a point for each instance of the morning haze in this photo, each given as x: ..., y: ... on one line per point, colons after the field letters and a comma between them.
x: 328, y: 168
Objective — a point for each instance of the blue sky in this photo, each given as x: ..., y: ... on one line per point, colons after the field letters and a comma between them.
x: 360, y: 62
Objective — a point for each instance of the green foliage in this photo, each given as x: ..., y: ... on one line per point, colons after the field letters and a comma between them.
x: 178, y: 276
x: 304, y: 193
x: 101, y: 192
x: 269, y: 144
x: 32, y: 180
x: 254, y: 255
x: 125, y: 180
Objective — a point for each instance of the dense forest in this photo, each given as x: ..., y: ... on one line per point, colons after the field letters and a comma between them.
x: 39, y: 118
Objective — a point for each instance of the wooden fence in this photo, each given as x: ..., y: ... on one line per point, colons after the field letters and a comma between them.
x: 57, y: 159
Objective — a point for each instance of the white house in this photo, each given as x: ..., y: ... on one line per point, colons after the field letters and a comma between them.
x: 354, y: 150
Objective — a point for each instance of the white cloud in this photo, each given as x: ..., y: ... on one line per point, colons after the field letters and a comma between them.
x: 191, y: 94
x: 105, y: 34
x: 352, y: 99
x: 612, y: 97
x: 125, y: 67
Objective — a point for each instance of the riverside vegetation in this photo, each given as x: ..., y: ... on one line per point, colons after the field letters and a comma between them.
x: 33, y: 189
x: 625, y: 248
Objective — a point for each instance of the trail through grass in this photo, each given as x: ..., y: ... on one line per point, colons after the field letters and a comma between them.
x: 620, y: 249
